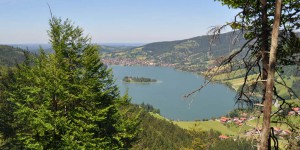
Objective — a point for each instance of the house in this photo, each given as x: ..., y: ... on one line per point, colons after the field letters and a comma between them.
x: 224, y: 119
x: 253, y: 131
x: 243, y: 119
x: 285, y: 133
x: 223, y: 137
x: 235, y: 119
x: 296, y: 109
x: 291, y: 113
x: 277, y: 130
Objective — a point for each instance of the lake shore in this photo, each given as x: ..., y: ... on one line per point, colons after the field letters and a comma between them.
x: 168, y: 96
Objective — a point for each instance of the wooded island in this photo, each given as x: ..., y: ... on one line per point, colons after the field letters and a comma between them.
x: 138, y: 79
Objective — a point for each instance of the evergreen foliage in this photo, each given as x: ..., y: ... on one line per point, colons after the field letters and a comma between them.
x: 157, y: 133
x: 150, y: 108
x: 239, y: 144
x: 65, y: 100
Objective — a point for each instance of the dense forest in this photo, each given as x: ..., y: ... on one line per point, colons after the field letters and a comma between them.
x: 149, y: 108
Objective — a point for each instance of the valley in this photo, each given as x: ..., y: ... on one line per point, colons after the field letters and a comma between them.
x: 201, y: 118
x: 206, y: 63
x: 150, y: 75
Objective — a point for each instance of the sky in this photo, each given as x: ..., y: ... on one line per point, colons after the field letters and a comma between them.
x: 112, y: 21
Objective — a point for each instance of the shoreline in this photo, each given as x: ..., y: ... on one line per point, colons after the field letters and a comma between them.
x: 189, y: 72
x: 136, y: 82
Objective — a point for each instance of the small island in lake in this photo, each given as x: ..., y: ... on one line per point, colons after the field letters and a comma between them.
x: 138, y: 79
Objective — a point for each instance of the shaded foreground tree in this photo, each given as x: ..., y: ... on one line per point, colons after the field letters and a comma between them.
x: 255, y: 21
x: 65, y: 100
x: 267, y: 110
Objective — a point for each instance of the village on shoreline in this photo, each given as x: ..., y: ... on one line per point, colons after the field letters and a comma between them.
x: 134, y: 62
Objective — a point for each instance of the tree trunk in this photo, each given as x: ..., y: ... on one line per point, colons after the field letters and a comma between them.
x: 264, y: 45
x: 264, y: 142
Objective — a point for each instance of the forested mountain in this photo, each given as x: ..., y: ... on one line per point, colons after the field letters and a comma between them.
x: 216, y: 46
x: 194, y: 54
x: 9, y: 55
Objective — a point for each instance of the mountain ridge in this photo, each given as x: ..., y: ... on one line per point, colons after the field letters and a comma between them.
x: 194, y: 54
x: 202, y: 43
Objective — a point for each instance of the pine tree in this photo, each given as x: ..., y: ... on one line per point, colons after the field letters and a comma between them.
x: 68, y: 100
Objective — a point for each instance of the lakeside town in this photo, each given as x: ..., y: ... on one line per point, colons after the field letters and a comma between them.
x: 240, y: 121
x: 134, y: 62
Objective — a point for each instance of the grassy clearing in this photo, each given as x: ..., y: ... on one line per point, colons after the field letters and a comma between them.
x: 238, y: 82
x: 230, y: 75
x: 230, y: 129
x: 282, y: 90
x: 235, y: 79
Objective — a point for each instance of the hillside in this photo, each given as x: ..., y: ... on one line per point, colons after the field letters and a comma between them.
x: 194, y: 54
x: 10, y: 55
x: 160, y: 133
x: 223, y: 45
x: 155, y: 133
x: 115, y: 48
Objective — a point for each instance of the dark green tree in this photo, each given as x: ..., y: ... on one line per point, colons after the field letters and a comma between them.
x: 67, y: 100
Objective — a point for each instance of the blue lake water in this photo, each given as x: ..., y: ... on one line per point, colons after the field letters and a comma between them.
x: 212, y: 101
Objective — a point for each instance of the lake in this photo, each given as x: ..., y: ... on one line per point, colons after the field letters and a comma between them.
x: 212, y: 101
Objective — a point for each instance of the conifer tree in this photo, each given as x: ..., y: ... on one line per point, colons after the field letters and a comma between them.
x: 67, y: 100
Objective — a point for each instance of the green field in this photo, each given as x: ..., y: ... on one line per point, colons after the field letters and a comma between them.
x: 235, y: 79
x: 229, y: 129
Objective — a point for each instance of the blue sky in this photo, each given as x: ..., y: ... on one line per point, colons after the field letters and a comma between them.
x: 112, y: 21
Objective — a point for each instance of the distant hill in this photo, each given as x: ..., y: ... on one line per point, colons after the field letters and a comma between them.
x: 194, y: 54
x: 105, y: 47
x: 34, y: 48
x: 222, y: 45
x: 115, y: 48
x: 9, y: 55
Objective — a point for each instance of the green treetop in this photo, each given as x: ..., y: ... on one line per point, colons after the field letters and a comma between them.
x: 66, y: 100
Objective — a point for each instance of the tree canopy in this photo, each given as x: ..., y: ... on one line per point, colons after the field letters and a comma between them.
x: 64, y: 100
